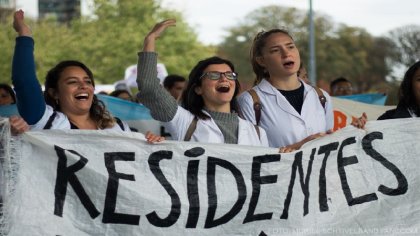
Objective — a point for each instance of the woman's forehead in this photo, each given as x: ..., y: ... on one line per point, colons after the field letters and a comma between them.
x: 74, y: 72
x: 278, y: 37
x: 218, y: 67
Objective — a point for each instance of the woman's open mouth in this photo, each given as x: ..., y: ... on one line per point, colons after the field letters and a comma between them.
x: 223, y: 89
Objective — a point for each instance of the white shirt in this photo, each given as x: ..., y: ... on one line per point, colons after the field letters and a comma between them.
x: 61, y: 121
x: 207, y: 131
x: 284, y: 125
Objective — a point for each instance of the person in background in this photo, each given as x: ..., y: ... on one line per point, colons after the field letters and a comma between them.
x: 409, y: 96
x: 291, y: 111
x: 103, y: 93
x: 121, y: 93
x: 209, y: 109
x: 341, y: 87
x: 68, y: 101
x: 175, y: 84
x: 125, y: 95
x: 7, y: 95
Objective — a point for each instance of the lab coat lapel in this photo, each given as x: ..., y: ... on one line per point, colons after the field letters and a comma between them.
x: 280, y: 99
x: 308, y: 96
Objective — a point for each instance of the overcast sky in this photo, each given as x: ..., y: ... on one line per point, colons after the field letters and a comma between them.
x: 210, y: 18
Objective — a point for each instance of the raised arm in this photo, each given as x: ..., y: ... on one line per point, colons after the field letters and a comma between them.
x: 162, y: 105
x: 30, y: 100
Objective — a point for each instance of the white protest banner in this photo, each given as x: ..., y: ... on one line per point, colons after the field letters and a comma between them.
x: 112, y: 183
x: 346, y: 110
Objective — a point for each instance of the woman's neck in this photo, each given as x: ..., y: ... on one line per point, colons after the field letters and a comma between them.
x: 285, y: 83
x: 82, y: 121
x: 218, y: 108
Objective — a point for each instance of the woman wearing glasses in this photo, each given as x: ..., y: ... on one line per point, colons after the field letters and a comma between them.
x: 209, y: 111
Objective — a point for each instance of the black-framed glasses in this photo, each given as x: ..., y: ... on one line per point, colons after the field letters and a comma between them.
x: 215, y: 75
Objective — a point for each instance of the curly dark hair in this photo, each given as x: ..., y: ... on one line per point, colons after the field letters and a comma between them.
x: 98, y: 111
x: 256, y: 51
x: 407, y: 97
x: 194, y: 102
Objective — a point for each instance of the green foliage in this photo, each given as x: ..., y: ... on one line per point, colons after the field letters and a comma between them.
x: 7, y: 37
x: 108, y: 41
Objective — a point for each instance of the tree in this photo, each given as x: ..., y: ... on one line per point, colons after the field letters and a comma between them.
x: 108, y: 41
x: 7, y: 39
x: 407, y: 41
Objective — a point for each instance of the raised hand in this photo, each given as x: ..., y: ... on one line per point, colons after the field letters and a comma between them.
x: 149, y: 40
x: 19, y: 24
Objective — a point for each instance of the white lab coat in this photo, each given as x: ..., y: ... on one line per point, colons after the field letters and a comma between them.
x: 61, y: 121
x: 207, y: 131
x: 283, y: 124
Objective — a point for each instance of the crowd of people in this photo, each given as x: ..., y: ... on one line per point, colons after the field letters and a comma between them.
x: 283, y: 110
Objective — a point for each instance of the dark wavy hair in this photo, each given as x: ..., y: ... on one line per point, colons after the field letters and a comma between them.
x: 9, y: 90
x: 194, y: 102
x: 98, y: 111
x: 406, y: 95
x: 256, y: 51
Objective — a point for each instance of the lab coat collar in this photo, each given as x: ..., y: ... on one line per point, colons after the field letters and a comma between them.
x: 281, y: 100
x: 266, y: 87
